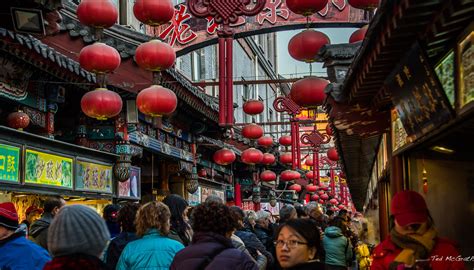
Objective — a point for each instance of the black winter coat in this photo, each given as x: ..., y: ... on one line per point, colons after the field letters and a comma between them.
x: 252, y: 243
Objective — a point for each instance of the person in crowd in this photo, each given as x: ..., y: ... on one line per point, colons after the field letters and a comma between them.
x: 211, y: 247
x: 77, y: 238
x: 251, y: 241
x: 329, y: 214
x: 32, y: 214
x: 17, y: 252
x: 337, y: 246
x: 287, y: 212
x: 180, y: 229
x: 413, y: 240
x: 315, y: 213
x: 300, y: 211
x: 126, y: 219
x: 39, y: 229
x: 263, y: 229
x: 297, y: 244
x: 154, y: 250
x: 250, y: 220
x: 110, y: 215
x: 214, y: 198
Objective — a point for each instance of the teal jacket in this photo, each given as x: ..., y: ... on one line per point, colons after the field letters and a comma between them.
x: 152, y: 251
x: 338, y: 248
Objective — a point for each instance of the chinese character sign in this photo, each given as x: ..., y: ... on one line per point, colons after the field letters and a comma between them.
x: 48, y: 169
x: 93, y: 177
x: 9, y: 161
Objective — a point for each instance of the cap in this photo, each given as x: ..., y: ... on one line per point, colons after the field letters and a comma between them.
x: 8, y: 216
x: 409, y: 207
x: 33, y: 208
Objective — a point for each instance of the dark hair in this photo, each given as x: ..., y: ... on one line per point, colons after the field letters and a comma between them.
x: 339, y: 222
x: 329, y: 212
x: 213, y: 217
x: 238, y: 215
x: 214, y: 198
x: 285, y: 212
x: 110, y: 212
x: 51, y: 202
x: 342, y: 212
x: 300, y: 211
x: 126, y: 216
x: 307, y: 228
x: 177, y: 205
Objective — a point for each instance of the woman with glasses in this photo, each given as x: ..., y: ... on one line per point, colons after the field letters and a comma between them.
x: 297, y: 244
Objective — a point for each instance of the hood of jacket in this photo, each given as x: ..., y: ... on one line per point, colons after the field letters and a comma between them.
x: 333, y: 232
x: 43, y: 223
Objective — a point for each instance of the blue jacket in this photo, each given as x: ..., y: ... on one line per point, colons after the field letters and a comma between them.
x: 152, y: 251
x: 338, y: 248
x: 18, y: 253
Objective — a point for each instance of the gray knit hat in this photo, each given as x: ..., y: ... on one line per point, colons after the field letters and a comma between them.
x: 77, y: 229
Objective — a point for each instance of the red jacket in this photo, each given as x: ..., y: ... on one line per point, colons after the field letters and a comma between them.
x: 444, y: 255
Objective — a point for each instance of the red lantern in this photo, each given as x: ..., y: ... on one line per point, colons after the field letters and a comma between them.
x: 155, y: 55
x: 202, y: 173
x: 333, y: 201
x: 286, y: 158
x: 253, y: 107
x: 156, y: 101
x: 306, y: 7
x: 265, y: 141
x: 309, y: 92
x: 332, y: 154
x: 311, y: 188
x: 324, y: 188
x: 309, y: 162
x: 305, y: 46
x: 97, y: 13
x: 315, y: 197
x: 364, y: 4
x: 268, y: 159
x: 289, y: 175
x: 18, y: 120
x: 251, y: 156
x: 252, y: 131
x: 152, y: 12
x: 321, y: 192
x: 309, y: 175
x: 341, y: 206
x: 101, y: 104
x: 321, y: 201
x: 295, y: 187
x: 329, y: 130
x: 268, y: 176
x: 99, y: 58
x: 224, y: 156
x: 324, y: 196
x: 285, y: 140
x: 358, y: 35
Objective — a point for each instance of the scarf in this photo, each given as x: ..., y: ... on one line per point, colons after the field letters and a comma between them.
x: 415, y: 246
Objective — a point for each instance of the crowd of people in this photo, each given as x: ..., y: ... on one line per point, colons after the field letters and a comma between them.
x: 172, y: 235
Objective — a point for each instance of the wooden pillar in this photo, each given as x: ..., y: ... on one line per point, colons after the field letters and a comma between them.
x: 396, y: 174
x: 384, y: 198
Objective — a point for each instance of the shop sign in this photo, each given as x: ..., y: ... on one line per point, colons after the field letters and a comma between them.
x: 131, y: 188
x: 207, y: 191
x: 466, y: 69
x: 418, y: 95
x: 445, y: 72
x: 9, y: 163
x: 247, y: 205
x: 48, y: 169
x: 195, y: 199
x: 399, y: 135
x: 93, y: 177
x: 274, y: 210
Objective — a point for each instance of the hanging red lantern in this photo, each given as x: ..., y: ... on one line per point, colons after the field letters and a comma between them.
x: 309, y: 162
x: 152, y: 12
x: 321, y: 192
x: 202, y: 173
x: 358, y: 35
x: 251, y: 156
x: 364, y: 4
x: 311, y: 188
x: 289, y: 175
x: 309, y: 92
x: 285, y: 140
x: 295, y: 187
x: 253, y: 107
x: 324, y: 196
x: 156, y: 101
x: 306, y: 7
x: 305, y: 46
x: 332, y: 154
x: 101, y: 104
x: 329, y: 130
x: 321, y: 201
x: 265, y: 141
x: 268, y: 159
x: 286, y: 158
x: 99, y: 58
x: 224, y: 156
x: 324, y: 187
x: 252, y: 131
x: 333, y: 201
x: 309, y: 175
x: 18, y: 120
x: 341, y: 206
x: 155, y: 55
x: 97, y: 13
x: 315, y: 197
x: 268, y: 176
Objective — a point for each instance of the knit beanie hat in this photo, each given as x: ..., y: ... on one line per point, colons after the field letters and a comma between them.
x: 8, y: 216
x: 77, y: 229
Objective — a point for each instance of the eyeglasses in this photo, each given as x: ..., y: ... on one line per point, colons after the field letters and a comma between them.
x: 289, y: 243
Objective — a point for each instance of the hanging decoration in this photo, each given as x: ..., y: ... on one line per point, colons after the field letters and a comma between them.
x: 309, y: 175
x: 152, y: 12
x: 309, y: 92
x: 252, y: 131
x: 306, y: 7
x: 329, y: 130
x: 268, y: 159
x: 289, y: 175
x: 364, y: 4
x: 297, y: 188
x: 311, y: 188
x: 99, y: 58
x: 305, y: 45
x: 285, y: 140
x: 286, y: 158
x: 315, y: 197
x: 122, y: 168
x: 268, y: 176
x: 18, y: 120
x: 101, y: 104
x: 265, y: 141
x: 332, y: 154
x: 157, y: 101
x: 309, y: 162
x: 251, y: 156
x: 253, y: 107
x: 97, y: 13
x: 155, y: 56
x: 359, y: 34
x: 224, y: 156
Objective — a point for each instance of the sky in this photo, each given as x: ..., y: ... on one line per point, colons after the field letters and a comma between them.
x: 289, y: 67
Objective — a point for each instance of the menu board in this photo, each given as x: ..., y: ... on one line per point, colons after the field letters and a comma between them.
x: 131, y: 187
x: 466, y: 69
x: 92, y: 176
x: 9, y: 163
x: 417, y: 94
x: 48, y: 169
